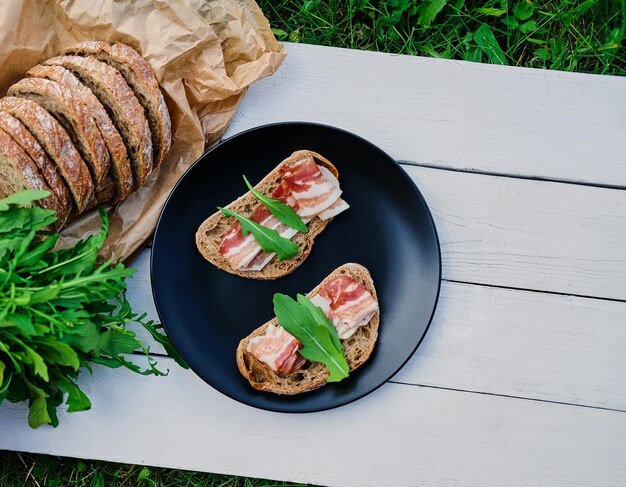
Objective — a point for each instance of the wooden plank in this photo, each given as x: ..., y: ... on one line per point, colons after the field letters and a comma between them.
x: 517, y: 343
x: 528, y: 234
x: 430, y: 437
x: 453, y: 114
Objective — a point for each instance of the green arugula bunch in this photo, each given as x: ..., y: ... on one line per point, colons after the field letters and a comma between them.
x: 60, y: 311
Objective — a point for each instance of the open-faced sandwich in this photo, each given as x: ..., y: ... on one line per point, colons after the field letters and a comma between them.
x: 269, y: 231
x: 314, y: 339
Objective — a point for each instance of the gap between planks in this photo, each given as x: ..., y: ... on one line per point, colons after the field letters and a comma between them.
x: 470, y: 170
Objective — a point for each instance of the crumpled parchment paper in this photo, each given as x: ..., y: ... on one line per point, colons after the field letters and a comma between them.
x: 205, y: 53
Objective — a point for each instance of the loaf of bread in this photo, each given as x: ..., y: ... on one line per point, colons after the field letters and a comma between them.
x: 87, y: 126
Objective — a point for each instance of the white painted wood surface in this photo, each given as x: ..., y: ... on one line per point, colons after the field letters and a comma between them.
x: 398, y: 436
x: 560, y: 358
x: 539, y: 235
x: 454, y: 114
x: 503, y: 341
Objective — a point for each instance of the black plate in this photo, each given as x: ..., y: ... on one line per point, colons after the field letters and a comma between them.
x: 388, y: 229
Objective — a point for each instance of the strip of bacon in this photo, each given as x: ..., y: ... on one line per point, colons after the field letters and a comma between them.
x: 351, y: 305
x: 312, y: 191
x: 276, y: 348
x: 346, y: 302
x: 337, y: 207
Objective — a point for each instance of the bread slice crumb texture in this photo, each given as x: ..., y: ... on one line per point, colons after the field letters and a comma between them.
x: 18, y: 171
x: 57, y: 145
x: 140, y: 77
x: 120, y: 103
x: 120, y: 169
x: 62, y: 103
x: 18, y: 132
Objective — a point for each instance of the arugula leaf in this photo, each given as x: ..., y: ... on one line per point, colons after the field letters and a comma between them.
x: 24, y: 197
x: 269, y: 240
x: 284, y: 213
x: 38, y: 413
x: 4, y: 386
x: 76, y: 399
x: 167, y: 344
x: 317, y: 344
x: 321, y: 319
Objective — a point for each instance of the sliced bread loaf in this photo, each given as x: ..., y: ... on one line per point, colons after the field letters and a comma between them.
x: 140, y: 77
x: 210, y: 233
x: 121, y: 104
x: 313, y: 375
x: 120, y: 169
x: 18, y: 171
x: 62, y: 103
x: 18, y: 132
x: 57, y: 144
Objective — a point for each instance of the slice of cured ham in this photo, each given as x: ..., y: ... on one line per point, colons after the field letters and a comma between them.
x: 311, y: 189
x: 350, y: 305
x: 278, y: 349
x: 346, y: 302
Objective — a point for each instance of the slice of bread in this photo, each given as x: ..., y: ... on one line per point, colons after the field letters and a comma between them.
x: 57, y: 144
x: 13, y: 127
x: 210, y: 233
x: 140, y: 77
x: 120, y: 169
x: 62, y: 103
x: 313, y: 375
x: 121, y: 104
x: 18, y: 171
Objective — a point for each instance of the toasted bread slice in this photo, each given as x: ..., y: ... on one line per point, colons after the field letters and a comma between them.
x: 57, y: 145
x: 18, y: 171
x: 120, y: 169
x: 13, y: 127
x: 313, y: 375
x: 62, y: 103
x: 210, y: 233
x: 122, y: 105
x: 140, y: 77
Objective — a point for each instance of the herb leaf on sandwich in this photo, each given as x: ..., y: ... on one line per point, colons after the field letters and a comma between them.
x: 268, y: 239
x: 284, y: 213
x: 317, y: 334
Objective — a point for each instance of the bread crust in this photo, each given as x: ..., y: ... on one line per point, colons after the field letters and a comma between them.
x: 27, y: 173
x: 57, y: 144
x: 68, y: 109
x: 140, y: 77
x: 120, y: 169
x: 13, y: 127
x: 209, y: 234
x: 127, y: 114
x: 357, y: 349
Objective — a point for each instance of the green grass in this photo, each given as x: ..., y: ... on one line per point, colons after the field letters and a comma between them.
x: 25, y: 469
x: 584, y: 36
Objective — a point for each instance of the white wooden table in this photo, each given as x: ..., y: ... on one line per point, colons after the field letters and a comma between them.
x: 521, y: 379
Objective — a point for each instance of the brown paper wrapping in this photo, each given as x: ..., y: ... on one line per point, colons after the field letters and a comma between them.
x: 205, y: 53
